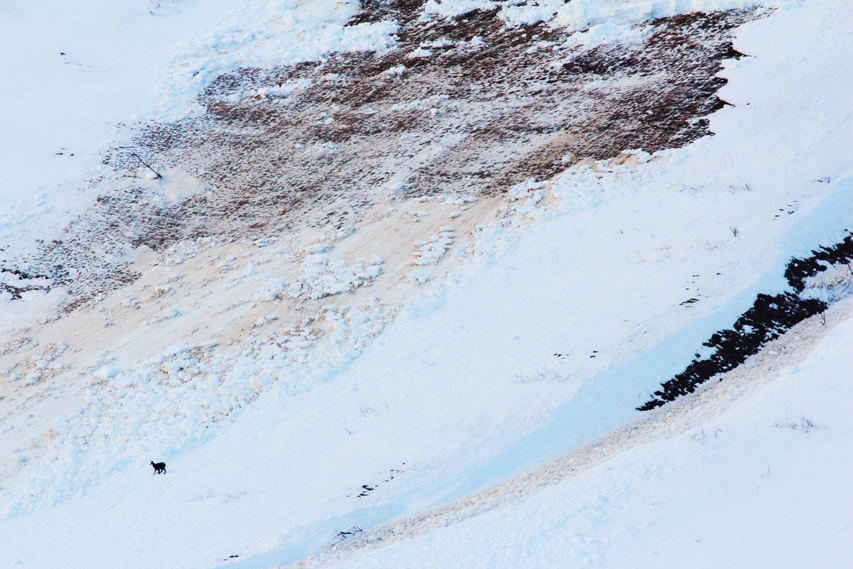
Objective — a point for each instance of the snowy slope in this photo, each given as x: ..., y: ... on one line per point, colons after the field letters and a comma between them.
x: 77, y: 78
x: 302, y: 388
x: 71, y: 73
x: 747, y: 474
x: 743, y: 474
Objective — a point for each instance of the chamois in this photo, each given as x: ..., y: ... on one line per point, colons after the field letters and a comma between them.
x: 159, y: 467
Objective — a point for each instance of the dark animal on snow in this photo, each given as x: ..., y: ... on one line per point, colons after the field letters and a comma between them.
x: 159, y: 467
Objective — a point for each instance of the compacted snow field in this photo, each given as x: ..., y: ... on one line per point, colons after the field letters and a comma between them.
x: 430, y: 377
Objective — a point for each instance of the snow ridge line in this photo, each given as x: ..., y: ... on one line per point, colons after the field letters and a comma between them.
x: 673, y: 419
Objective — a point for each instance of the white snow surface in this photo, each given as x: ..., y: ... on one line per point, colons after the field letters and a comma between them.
x: 546, y: 330
x: 71, y: 104
x: 75, y: 77
x: 755, y: 482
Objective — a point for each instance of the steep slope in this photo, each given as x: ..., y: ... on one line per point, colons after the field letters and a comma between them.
x: 323, y: 322
x: 746, y: 472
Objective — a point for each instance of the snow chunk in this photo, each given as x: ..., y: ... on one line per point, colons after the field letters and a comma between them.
x: 831, y: 285
x: 271, y: 290
x: 106, y: 372
x: 605, y: 33
x: 454, y: 8
x: 531, y: 12
x: 398, y: 70
x: 316, y: 248
x: 430, y: 252
x: 284, y: 89
x: 418, y: 276
x: 321, y: 276
x: 419, y: 52
x: 175, y: 349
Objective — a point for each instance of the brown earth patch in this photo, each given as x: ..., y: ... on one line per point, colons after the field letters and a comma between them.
x: 486, y: 108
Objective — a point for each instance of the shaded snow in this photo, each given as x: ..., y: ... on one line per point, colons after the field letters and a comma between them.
x: 747, y: 473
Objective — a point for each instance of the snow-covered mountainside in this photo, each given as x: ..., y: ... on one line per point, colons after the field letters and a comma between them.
x: 426, y: 284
